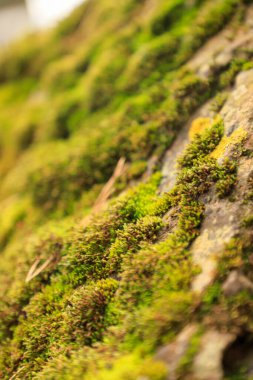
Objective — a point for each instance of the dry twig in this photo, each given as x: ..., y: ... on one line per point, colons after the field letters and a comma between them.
x: 107, y: 190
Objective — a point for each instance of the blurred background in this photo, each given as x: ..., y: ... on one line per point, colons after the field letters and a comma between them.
x: 18, y: 17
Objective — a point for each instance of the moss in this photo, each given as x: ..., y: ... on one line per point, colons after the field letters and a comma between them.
x: 203, y: 144
x: 131, y: 367
x: 102, y: 87
x: 86, y: 315
x: 209, y: 20
x: 227, y: 78
x: 114, y: 244
x: 89, y: 253
x: 150, y: 61
x: 159, y: 323
x: 248, y: 221
x: 230, y: 310
x: 235, y: 138
x: 166, y: 16
x: 226, y: 178
x: 198, y: 126
x: 218, y: 102
x: 57, y: 184
x: 128, y: 241
x: 201, y: 170
x: 72, y: 23
x: 110, y: 82
x: 13, y: 214
x: 64, y: 73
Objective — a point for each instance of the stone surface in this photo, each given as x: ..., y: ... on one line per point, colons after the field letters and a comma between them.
x: 208, y: 363
x: 222, y: 217
x: 221, y: 48
x: 171, y: 354
x: 221, y: 223
x: 238, y: 110
x: 235, y: 283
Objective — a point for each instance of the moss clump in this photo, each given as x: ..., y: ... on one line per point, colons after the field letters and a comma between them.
x: 166, y: 16
x: 238, y: 136
x: 218, y: 101
x: 151, y: 61
x: 248, y: 221
x: 203, y: 144
x: 89, y: 250
x: 200, y: 168
x: 132, y: 367
x: 198, y: 126
x: 86, y: 316
x: 129, y: 239
x: 226, y: 178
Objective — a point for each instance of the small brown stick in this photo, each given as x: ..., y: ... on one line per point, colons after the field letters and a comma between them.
x: 35, y: 271
x: 107, y: 189
x: 16, y: 373
x: 32, y: 269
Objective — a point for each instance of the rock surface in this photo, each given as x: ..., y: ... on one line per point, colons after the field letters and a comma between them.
x: 235, y: 283
x: 208, y: 363
x: 174, y: 352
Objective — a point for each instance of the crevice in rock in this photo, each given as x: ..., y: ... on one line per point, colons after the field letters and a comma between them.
x: 238, y: 357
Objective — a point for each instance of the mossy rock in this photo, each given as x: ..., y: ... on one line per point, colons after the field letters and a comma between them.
x: 97, y: 267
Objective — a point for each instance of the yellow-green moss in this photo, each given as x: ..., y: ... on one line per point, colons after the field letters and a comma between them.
x: 198, y: 126
x: 227, y: 141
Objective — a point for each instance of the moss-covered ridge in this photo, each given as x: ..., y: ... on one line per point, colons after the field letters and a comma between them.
x: 113, y: 81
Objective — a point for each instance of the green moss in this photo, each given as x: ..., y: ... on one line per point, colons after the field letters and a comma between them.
x: 166, y: 16
x: 208, y: 21
x: 203, y: 144
x: 128, y: 241
x: 237, y: 65
x: 218, y: 101
x: 102, y: 88
x: 150, y: 61
x: 132, y: 367
x: 110, y: 83
x: 248, y: 221
x: 226, y: 178
x: 13, y: 214
x: 86, y: 316
x: 89, y: 252
x: 72, y: 23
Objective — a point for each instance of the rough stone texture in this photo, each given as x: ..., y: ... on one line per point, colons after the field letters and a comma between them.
x: 222, y: 217
x: 208, y: 363
x: 235, y: 283
x: 172, y: 353
x: 238, y: 109
x: 220, y: 49
x: 217, y: 229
